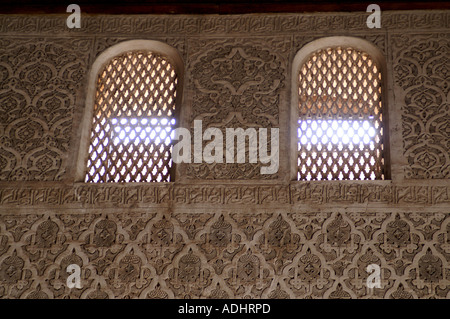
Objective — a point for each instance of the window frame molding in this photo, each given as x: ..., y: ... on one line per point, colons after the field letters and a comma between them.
x: 300, y: 58
x: 100, y: 62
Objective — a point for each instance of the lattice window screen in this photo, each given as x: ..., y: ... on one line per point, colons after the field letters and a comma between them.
x: 133, y: 120
x: 340, y: 131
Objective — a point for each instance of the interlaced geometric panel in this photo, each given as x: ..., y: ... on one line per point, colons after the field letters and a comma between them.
x: 340, y: 128
x: 133, y: 120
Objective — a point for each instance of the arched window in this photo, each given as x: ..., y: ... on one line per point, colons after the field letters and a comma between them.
x: 133, y: 115
x: 340, y: 120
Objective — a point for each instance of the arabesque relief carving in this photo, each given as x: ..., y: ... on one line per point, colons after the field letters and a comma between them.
x: 252, y: 236
x: 271, y: 254
x: 421, y: 71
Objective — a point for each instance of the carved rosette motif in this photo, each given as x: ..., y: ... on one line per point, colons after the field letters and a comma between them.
x: 236, y: 83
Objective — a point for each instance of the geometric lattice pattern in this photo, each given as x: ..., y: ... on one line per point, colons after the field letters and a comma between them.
x: 127, y: 254
x: 340, y: 131
x: 133, y: 120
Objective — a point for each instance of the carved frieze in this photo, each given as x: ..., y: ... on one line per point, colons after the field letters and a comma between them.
x: 320, y: 254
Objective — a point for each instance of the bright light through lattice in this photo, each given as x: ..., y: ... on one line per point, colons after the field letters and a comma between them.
x: 131, y: 136
x: 340, y: 132
x: 143, y: 131
x: 335, y: 132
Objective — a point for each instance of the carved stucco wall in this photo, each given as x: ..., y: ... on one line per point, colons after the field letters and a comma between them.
x: 222, y: 231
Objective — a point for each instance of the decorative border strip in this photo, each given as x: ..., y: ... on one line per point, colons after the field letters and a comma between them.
x: 213, y: 24
x: 82, y: 196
